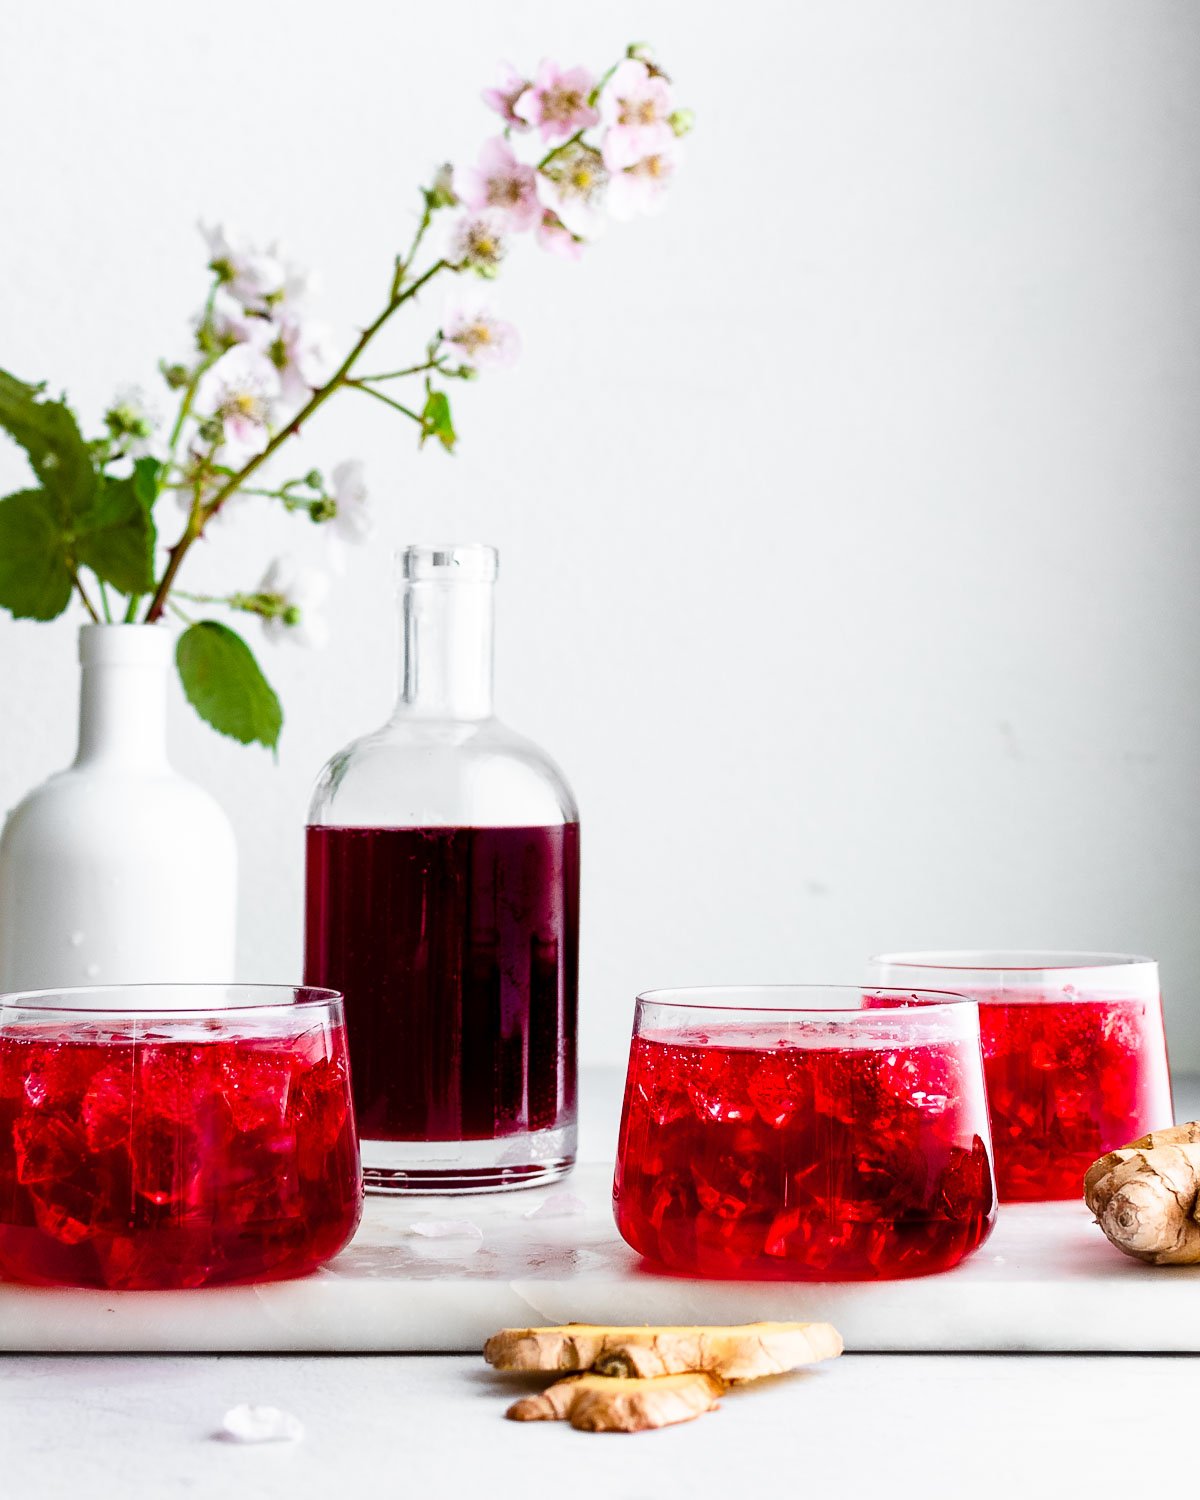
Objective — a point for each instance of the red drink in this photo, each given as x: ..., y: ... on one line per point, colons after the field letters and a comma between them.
x: 744, y: 1156
x: 173, y: 1155
x: 457, y: 952
x: 1068, y: 1080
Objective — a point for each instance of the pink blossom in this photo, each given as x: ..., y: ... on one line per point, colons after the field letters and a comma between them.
x: 557, y: 101
x: 479, y: 338
x: 639, y: 189
x: 573, y: 184
x: 478, y: 242
x: 553, y: 235
x: 504, y: 96
x: 500, y: 182
x: 636, y: 107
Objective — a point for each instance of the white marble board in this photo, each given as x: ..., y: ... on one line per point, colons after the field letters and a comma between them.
x: 1046, y: 1280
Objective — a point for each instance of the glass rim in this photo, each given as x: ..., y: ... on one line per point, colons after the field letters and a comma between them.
x: 1010, y: 960
x: 926, y: 999
x: 314, y: 997
x: 447, y: 562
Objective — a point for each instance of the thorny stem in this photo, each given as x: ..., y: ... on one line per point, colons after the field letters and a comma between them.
x: 280, y: 494
x: 367, y: 390
x: 201, y: 598
x: 430, y: 364
x: 403, y: 266
x: 202, y: 513
x: 189, y: 394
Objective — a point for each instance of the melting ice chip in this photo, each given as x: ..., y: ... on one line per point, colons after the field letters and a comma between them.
x: 560, y: 1205
x: 260, y: 1424
x: 446, y: 1229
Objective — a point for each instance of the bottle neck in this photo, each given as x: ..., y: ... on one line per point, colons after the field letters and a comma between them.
x: 123, y: 696
x: 447, y: 629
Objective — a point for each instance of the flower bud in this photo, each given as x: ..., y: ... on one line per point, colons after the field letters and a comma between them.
x: 441, y: 192
x: 682, y: 121
x: 643, y: 52
x: 322, y: 510
x: 313, y: 479
x: 291, y: 615
x: 176, y: 376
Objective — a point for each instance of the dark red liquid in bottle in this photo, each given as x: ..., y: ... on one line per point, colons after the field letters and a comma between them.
x: 457, y: 952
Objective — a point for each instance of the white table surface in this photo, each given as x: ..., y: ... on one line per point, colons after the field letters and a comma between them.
x: 112, y: 1427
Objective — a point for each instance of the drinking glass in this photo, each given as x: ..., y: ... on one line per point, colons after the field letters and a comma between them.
x: 804, y: 1133
x: 1073, y: 1052
x: 174, y: 1135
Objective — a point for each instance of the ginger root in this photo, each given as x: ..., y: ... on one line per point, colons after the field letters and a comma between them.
x: 1145, y: 1196
x: 601, y: 1403
x: 733, y: 1354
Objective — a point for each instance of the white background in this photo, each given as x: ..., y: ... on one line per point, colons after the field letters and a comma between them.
x: 847, y: 511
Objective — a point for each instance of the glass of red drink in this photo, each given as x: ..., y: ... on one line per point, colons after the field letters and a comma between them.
x: 1073, y: 1051
x: 174, y: 1135
x: 804, y: 1133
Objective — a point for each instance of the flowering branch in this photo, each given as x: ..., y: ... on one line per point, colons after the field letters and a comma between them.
x: 607, y: 146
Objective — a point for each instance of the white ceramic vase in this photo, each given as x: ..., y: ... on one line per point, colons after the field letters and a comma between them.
x: 117, y: 870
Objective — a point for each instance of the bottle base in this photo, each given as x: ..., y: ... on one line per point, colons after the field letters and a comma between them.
x: 534, y: 1159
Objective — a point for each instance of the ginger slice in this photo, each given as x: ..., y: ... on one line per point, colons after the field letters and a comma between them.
x: 735, y: 1353
x: 1145, y: 1196
x: 602, y: 1403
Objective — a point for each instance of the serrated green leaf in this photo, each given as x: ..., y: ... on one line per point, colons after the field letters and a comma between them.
x: 49, y: 434
x: 225, y: 685
x: 146, y: 474
x: 116, y: 538
x: 35, y: 581
x: 437, y: 422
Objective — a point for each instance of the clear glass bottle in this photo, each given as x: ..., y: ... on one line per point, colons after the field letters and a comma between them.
x: 443, y: 902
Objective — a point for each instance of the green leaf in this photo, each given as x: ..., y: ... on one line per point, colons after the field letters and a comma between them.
x: 436, y: 420
x: 146, y: 474
x: 35, y: 580
x: 225, y: 686
x: 116, y: 538
x: 48, y: 432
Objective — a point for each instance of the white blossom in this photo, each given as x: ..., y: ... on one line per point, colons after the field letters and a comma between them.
x: 253, y: 276
x: 241, y: 390
x: 297, y: 591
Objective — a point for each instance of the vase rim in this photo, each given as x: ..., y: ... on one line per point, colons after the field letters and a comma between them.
x: 115, y: 645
